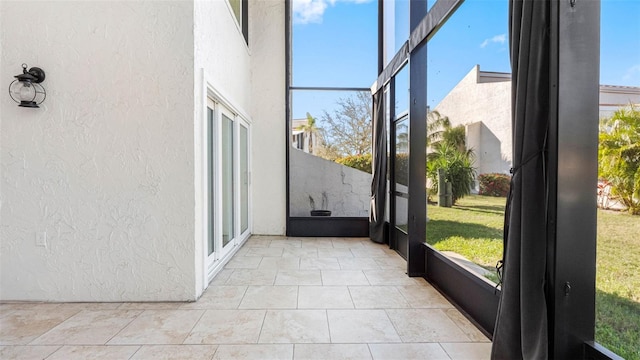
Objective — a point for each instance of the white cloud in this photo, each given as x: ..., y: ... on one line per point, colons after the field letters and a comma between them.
x: 632, y: 72
x: 312, y: 11
x: 502, y: 38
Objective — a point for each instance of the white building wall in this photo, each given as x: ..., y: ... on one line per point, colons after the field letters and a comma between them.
x: 222, y: 61
x: 268, y: 180
x: 105, y: 166
x: 490, y: 103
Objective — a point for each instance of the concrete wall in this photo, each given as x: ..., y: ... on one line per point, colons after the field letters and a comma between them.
x: 105, y: 166
x: 489, y: 103
x: 347, y: 189
x: 268, y: 180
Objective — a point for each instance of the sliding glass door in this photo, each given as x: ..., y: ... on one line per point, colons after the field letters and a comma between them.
x: 228, y: 195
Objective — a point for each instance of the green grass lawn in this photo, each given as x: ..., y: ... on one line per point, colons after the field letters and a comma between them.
x: 473, y: 228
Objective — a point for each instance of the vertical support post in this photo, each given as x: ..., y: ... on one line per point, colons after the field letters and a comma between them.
x: 573, y: 177
x: 418, y: 145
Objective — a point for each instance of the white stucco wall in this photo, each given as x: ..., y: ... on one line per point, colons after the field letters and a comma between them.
x: 347, y: 189
x: 482, y: 102
x: 105, y: 166
x: 268, y: 179
x: 614, y: 97
x: 490, y: 103
x: 221, y: 59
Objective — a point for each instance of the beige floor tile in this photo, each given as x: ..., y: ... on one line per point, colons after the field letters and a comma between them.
x: 358, y: 264
x: 270, y: 251
x: 90, y: 306
x: 221, y: 277
x: 295, y: 326
x: 158, y: 327
x: 377, y: 297
x: 254, y: 352
x: 324, y: 297
x: 343, y: 277
x: 244, y: 262
x: 368, y: 252
x: 300, y: 252
x: 270, y: 297
x: 346, y: 243
x: 150, y: 305
x: 466, y: 326
x: 468, y: 351
x: 227, y: 327
x: 319, y: 264
x: 425, y: 325
x: 318, y: 243
x: 334, y: 253
x: 298, y: 277
x: 22, y: 326
x: 22, y: 352
x: 71, y: 352
x: 29, y: 306
x: 361, y: 326
x: 88, y: 328
x: 391, y: 262
x: 252, y: 277
x: 423, y: 296
x: 277, y: 263
x: 225, y: 297
x: 391, y: 277
x: 286, y: 243
x: 175, y: 352
x: 431, y: 351
x: 298, y: 238
x: 331, y: 351
x: 257, y: 242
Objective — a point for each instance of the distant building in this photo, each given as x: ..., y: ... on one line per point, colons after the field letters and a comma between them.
x: 300, y: 137
x: 481, y: 101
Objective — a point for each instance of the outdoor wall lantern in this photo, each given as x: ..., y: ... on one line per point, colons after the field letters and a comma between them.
x: 26, y: 89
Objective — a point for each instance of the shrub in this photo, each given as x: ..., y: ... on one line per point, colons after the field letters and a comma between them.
x: 361, y: 162
x: 458, y: 168
x: 619, y: 156
x: 494, y: 184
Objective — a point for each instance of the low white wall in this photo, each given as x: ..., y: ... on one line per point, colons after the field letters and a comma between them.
x: 105, y: 166
x: 347, y: 189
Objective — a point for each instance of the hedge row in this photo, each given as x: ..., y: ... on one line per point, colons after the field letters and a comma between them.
x: 494, y: 184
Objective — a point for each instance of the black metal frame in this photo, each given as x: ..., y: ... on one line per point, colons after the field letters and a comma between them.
x: 573, y: 164
x: 312, y: 226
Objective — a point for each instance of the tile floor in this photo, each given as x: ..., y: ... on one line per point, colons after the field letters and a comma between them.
x: 278, y: 298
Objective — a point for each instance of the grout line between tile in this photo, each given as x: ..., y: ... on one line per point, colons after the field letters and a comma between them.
x: 135, y: 352
x: 193, y: 327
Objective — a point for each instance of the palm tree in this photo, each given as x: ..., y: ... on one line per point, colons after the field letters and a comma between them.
x: 311, y: 129
x: 436, y: 126
x: 447, y: 150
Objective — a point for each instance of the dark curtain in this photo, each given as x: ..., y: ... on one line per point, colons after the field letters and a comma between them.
x: 379, y: 167
x: 521, y: 327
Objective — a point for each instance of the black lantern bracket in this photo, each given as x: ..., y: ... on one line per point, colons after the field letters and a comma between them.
x: 26, y: 89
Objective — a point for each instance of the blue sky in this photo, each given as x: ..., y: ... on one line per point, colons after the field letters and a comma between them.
x: 335, y: 44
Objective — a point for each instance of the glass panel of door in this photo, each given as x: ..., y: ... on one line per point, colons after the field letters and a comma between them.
x: 244, y: 179
x: 228, y: 216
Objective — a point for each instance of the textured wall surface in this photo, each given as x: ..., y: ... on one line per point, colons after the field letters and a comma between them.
x: 347, y: 189
x: 490, y: 103
x: 105, y: 167
x: 267, y: 44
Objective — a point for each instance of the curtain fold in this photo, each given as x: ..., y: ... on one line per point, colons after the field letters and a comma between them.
x: 379, y: 167
x: 521, y: 330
